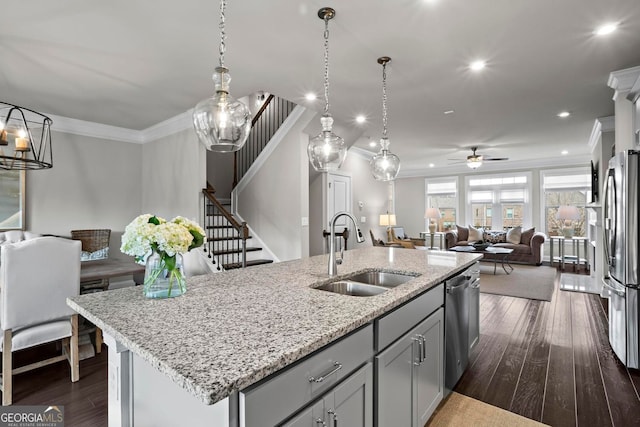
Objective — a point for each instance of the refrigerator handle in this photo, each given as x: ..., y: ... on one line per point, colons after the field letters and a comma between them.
x: 606, y: 221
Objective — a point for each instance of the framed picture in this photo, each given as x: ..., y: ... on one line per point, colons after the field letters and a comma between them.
x: 12, y: 199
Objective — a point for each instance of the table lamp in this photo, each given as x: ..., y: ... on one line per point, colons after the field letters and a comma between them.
x: 568, y: 214
x: 388, y: 220
x: 432, y: 214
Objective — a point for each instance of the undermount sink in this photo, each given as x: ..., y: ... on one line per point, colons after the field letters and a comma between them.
x: 366, y: 284
x: 381, y: 278
x: 345, y: 287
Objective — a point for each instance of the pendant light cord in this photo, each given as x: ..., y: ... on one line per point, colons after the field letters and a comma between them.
x: 326, y: 65
x: 384, y: 100
x: 223, y: 35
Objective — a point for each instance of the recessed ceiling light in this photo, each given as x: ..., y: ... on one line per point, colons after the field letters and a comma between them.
x: 449, y: 112
x: 361, y: 119
x: 605, y: 29
x: 310, y: 96
x: 372, y: 143
x: 431, y: 165
x: 564, y: 114
x: 477, y: 65
x: 564, y: 152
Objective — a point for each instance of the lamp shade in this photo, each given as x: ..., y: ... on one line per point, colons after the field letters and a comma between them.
x: 570, y: 213
x: 387, y: 220
x: 432, y: 213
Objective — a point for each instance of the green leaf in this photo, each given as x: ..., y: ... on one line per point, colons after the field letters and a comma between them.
x: 198, y: 239
x: 154, y: 220
x: 170, y: 262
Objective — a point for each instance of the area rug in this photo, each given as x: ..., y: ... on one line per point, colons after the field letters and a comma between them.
x: 462, y: 411
x: 525, y: 281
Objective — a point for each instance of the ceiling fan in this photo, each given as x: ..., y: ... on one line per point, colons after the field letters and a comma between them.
x: 474, y: 161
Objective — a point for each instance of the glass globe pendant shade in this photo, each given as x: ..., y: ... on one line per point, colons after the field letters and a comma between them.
x: 326, y: 150
x: 222, y: 123
x: 385, y: 165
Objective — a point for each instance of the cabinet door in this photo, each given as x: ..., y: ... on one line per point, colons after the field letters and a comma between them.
x: 351, y: 402
x: 312, y: 416
x: 394, y: 370
x: 429, y: 372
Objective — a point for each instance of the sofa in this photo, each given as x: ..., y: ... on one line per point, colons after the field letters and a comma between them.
x: 528, y: 250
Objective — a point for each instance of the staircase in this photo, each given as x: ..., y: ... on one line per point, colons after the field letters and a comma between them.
x: 227, y: 238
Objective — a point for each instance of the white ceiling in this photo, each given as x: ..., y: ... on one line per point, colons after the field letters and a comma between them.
x: 136, y: 63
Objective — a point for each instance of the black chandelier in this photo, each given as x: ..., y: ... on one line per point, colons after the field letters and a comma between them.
x: 25, y: 139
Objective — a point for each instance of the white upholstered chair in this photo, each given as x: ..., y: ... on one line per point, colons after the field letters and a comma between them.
x: 36, y: 277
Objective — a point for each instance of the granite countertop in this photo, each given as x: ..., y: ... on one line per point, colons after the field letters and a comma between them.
x: 233, y: 328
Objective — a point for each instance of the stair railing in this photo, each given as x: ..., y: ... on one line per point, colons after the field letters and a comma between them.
x: 224, y: 232
x: 268, y: 119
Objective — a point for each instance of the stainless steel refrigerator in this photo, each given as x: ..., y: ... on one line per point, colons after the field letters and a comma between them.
x: 620, y: 211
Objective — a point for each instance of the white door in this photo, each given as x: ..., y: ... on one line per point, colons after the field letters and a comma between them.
x: 338, y: 198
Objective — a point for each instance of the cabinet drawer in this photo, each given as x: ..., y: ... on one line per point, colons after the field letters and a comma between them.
x: 393, y: 325
x: 289, y: 390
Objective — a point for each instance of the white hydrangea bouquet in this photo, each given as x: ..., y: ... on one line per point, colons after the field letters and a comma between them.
x: 160, y: 244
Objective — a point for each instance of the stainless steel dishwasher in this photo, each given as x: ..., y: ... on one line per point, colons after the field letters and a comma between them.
x: 461, y: 323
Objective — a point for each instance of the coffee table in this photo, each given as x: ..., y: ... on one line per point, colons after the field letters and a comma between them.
x: 499, y: 255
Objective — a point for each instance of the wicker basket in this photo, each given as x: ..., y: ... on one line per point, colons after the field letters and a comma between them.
x: 92, y: 240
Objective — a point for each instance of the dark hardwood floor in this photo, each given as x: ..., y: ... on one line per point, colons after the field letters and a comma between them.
x: 85, y: 401
x: 551, y: 362
x: 548, y: 361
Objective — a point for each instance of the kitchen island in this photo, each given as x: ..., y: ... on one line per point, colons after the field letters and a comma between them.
x: 233, y: 329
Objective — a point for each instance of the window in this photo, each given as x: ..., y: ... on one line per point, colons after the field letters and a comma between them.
x: 442, y: 193
x: 570, y: 187
x: 499, y: 201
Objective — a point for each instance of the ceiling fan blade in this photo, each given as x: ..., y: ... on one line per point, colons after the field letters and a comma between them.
x: 495, y: 158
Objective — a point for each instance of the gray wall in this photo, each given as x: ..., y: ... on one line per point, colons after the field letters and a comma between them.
x: 94, y: 183
x: 173, y: 175
x: 220, y: 173
x: 98, y: 183
x: 272, y: 200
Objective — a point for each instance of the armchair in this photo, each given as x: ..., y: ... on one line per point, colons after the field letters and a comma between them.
x: 33, y: 308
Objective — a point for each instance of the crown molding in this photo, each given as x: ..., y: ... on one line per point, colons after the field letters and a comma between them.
x: 623, y: 80
x: 95, y: 130
x: 601, y: 125
x: 168, y: 127
x: 114, y: 133
x: 361, y: 152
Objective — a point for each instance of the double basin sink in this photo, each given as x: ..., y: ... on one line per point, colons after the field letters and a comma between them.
x: 366, y: 284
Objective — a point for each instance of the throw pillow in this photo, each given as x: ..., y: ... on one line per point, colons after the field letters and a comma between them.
x: 514, y: 234
x: 463, y: 233
x: 495, y: 236
x: 527, y: 235
x: 475, y: 234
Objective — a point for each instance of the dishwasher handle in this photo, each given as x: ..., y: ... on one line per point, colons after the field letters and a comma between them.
x: 475, y: 284
x: 458, y: 288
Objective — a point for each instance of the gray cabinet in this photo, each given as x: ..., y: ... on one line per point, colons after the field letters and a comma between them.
x: 348, y: 404
x: 411, y: 376
x: 278, y: 397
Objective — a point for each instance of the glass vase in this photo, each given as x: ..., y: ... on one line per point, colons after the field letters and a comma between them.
x: 164, y: 276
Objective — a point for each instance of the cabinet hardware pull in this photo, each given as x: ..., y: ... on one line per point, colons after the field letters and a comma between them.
x: 424, y: 348
x: 416, y: 360
x: 320, y: 422
x: 336, y: 367
x: 334, y: 414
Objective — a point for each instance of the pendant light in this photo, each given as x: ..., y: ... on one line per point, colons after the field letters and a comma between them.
x: 222, y: 123
x: 327, y: 150
x: 385, y: 165
x: 25, y: 139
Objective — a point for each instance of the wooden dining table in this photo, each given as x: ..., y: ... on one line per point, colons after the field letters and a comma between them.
x: 108, y: 268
